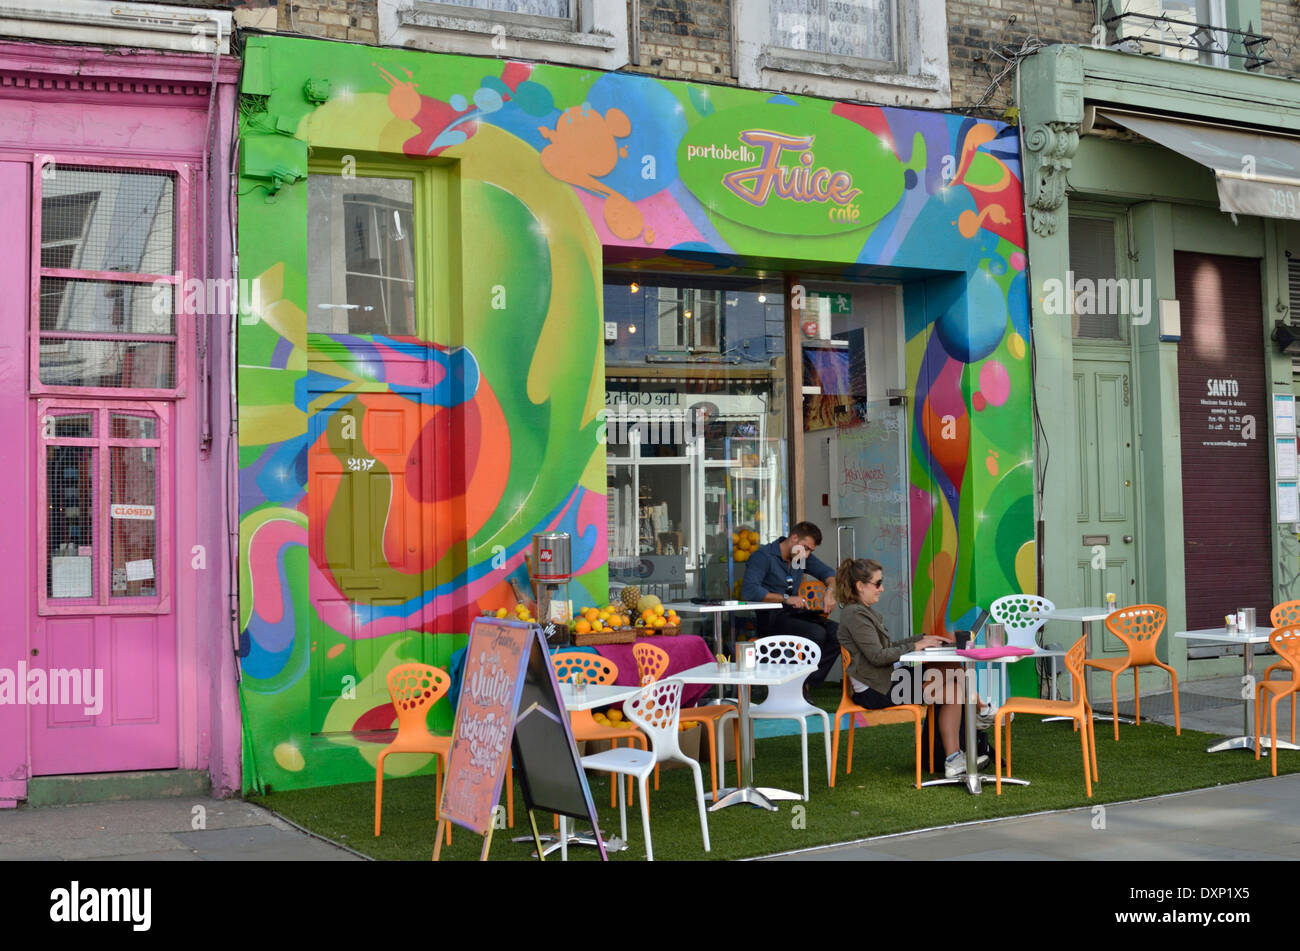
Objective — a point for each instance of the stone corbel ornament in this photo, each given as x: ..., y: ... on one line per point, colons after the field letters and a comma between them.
x: 1051, y: 147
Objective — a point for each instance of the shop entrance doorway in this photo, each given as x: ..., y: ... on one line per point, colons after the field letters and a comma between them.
x: 855, y: 434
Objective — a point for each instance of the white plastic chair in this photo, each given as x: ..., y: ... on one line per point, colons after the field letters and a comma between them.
x: 655, y: 710
x: 785, y: 701
x: 1022, y: 615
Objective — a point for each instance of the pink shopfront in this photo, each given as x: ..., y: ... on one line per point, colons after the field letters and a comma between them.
x: 116, y: 649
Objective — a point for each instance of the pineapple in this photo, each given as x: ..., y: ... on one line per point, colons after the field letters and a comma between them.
x: 630, y: 596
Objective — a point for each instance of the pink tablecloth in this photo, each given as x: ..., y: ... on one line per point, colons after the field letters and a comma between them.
x: 684, y: 652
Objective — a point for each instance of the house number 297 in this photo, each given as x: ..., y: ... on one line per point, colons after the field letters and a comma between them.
x: 360, y: 465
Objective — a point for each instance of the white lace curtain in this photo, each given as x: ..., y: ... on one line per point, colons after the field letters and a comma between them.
x: 537, y: 8
x: 865, y: 29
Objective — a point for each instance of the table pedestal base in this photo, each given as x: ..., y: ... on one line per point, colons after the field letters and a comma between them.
x: 1248, y: 743
x: 585, y: 837
x: 753, y: 795
x: 974, y: 783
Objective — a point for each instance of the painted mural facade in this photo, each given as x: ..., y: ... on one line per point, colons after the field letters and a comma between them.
x: 485, y: 425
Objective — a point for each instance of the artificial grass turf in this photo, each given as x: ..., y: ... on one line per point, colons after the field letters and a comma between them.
x: 878, y: 798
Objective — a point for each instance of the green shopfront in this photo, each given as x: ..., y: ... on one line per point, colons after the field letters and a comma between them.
x: 1164, y: 241
x: 497, y: 298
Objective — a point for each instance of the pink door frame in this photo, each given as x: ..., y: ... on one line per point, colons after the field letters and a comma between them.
x: 138, y: 108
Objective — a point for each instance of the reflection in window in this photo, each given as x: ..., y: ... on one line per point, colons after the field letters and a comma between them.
x: 107, y: 220
x: 70, y: 519
x: 862, y: 29
x: 133, y: 520
x: 361, y: 258
x: 93, y: 221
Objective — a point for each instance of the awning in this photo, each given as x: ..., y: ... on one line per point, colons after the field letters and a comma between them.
x: 1257, y: 173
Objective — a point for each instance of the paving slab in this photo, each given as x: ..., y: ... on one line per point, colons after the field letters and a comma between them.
x: 158, y: 830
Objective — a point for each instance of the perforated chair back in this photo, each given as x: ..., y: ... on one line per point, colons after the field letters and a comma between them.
x: 595, y: 668
x: 651, y: 662
x: 1023, y: 615
x: 1139, y: 627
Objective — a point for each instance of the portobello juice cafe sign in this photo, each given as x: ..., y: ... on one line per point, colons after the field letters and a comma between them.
x: 790, y: 170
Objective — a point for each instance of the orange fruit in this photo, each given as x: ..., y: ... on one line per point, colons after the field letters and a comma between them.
x: 583, y: 626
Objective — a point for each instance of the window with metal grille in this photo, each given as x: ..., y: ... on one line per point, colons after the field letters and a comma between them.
x: 1093, y: 275
x: 106, y: 279
x: 105, y: 508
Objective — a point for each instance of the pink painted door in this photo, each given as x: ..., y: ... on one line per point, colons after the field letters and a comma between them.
x: 105, y: 633
x: 107, y: 357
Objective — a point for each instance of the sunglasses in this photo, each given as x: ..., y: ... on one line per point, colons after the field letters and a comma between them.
x: 879, y: 584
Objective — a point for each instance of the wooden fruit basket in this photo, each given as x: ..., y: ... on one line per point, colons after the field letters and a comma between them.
x: 622, y: 635
x: 658, y: 631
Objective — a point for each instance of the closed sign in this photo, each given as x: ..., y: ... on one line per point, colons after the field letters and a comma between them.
x: 142, y: 512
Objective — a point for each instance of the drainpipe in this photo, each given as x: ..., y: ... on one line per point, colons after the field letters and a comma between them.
x: 209, y: 254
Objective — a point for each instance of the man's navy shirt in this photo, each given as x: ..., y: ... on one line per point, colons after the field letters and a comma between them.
x: 766, y: 572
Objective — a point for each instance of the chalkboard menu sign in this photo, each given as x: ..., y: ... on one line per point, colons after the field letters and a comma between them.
x: 510, y: 702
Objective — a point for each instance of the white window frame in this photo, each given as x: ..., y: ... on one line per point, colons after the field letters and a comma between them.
x: 919, y: 78
x: 596, y: 37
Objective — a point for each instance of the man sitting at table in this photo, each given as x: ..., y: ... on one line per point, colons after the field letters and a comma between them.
x: 773, y: 573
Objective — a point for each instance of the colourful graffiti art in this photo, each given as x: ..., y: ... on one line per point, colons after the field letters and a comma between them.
x: 390, y: 486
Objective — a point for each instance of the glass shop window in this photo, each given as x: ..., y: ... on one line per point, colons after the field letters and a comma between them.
x: 696, y: 428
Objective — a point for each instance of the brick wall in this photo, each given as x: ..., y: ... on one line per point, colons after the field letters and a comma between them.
x: 985, y: 36
x: 1282, y: 22
x: 686, y: 39
x: 355, y: 20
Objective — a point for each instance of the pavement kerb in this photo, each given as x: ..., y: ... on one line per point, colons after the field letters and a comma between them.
x: 997, y: 819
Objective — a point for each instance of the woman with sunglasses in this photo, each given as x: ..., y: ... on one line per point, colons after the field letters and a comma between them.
x: 859, y: 583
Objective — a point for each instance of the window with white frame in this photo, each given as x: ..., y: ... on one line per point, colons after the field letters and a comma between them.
x: 866, y: 50
x: 689, y: 319
x: 561, y: 12
x: 859, y: 29
x: 591, y: 33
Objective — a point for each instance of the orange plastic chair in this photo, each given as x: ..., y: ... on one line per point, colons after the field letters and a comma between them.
x: 1078, y: 708
x: 1285, y: 641
x: 651, y: 662
x: 1284, y: 614
x: 813, y: 592
x: 903, y: 713
x: 1139, y: 627
x: 414, y: 688
x: 597, y: 670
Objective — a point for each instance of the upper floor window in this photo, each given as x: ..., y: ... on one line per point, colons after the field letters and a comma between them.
x: 106, y: 279
x: 859, y: 29
x: 864, y: 50
x: 558, y: 10
x: 1211, y: 32
x: 591, y: 33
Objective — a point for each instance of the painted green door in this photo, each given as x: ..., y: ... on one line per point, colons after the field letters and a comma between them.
x: 1105, y: 519
x: 367, y: 471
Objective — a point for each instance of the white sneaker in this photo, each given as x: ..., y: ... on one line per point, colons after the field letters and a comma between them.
x: 984, y: 718
x: 954, y: 765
